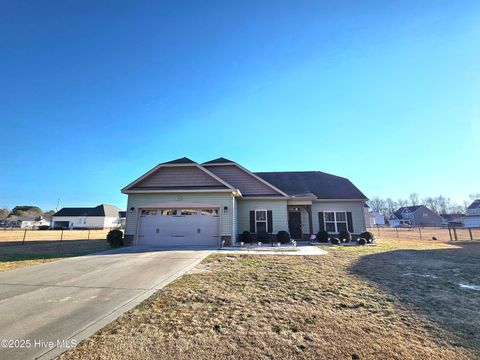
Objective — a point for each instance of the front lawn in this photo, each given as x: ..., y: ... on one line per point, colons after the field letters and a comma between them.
x: 33, y: 253
x: 391, y: 301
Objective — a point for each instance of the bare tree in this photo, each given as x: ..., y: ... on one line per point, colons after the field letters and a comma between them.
x: 377, y: 204
x: 474, y: 196
x: 414, y: 199
x: 402, y: 202
x: 4, y: 213
x: 391, y: 206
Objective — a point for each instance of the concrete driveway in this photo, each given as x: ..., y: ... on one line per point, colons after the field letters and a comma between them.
x: 47, y: 309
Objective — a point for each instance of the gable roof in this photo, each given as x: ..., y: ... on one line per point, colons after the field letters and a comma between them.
x: 183, y: 160
x: 398, y: 213
x: 475, y: 204
x: 100, y: 210
x: 323, y: 185
x: 220, y: 160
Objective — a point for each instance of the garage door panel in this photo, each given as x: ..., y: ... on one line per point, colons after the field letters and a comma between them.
x: 161, y: 228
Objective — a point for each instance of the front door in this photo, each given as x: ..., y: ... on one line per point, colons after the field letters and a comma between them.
x: 295, y: 224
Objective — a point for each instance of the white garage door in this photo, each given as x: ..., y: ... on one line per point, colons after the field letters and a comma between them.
x: 178, y: 227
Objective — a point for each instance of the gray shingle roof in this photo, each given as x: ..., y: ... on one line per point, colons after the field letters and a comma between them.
x: 220, y: 160
x: 100, y: 210
x: 323, y: 185
x: 183, y: 160
x: 475, y: 204
x: 399, y: 212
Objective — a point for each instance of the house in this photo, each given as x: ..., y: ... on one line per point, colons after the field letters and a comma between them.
x: 417, y: 216
x: 472, y: 218
x: 28, y: 222
x: 376, y: 218
x: 452, y: 219
x: 99, y: 217
x: 184, y: 203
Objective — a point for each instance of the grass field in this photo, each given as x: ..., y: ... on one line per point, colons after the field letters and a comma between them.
x: 401, y: 299
x: 16, y: 235
x: 441, y: 234
x: 16, y: 256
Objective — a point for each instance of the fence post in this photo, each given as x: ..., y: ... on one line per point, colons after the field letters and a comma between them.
x: 378, y: 228
x: 88, y: 234
x: 396, y: 230
x: 61, y: 236
x: 455, y: 233
x: 420, y: 232
x: 470, y: 231
x: 24, y: 236
x: 450, y: 233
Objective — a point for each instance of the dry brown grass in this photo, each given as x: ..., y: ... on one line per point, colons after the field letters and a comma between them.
x: 291, y: 307
x: 16, y: 256
x: 427, y: 233
x: 16, y: 235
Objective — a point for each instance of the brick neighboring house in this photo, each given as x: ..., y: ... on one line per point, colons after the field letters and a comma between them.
x: 418, y: 215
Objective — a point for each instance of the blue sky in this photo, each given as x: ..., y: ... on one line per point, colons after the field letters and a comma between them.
x: 93, y: 94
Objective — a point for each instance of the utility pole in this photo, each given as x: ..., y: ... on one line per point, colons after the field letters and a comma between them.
x: 58, y: 203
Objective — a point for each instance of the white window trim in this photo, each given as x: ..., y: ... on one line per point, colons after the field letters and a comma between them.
x: 325, y: 221
x: 261, y: 221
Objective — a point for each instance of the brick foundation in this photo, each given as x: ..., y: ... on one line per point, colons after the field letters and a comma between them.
x: 128, y: 240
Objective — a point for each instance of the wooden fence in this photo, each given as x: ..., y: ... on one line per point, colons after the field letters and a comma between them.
x: 22, y: 235
x: 428, y: 233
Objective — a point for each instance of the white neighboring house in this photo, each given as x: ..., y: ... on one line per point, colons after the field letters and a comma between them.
x: 29, y: 222
x: 472, y: 219
x: 99, y: 217
x: 376, y: 218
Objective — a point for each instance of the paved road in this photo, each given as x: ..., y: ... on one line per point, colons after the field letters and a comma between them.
x: 67, y: 301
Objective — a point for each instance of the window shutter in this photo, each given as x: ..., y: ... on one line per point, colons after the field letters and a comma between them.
x: 269, y: 221
x: 349, y: 222
x: 252, y: 221
x: 321, y: 221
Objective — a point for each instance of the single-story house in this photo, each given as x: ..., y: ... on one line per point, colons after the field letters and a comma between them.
x: 472, y: 219
x: 28, y: 222
x: 99, y: 217
x: 376, y: 218
x: 123, y: 218
x: 452, y: 219
x: 184, y: 203
x: 417, y: 216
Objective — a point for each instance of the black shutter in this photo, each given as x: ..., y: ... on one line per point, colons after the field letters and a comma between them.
x: 349, y: 222
x: 321, y: 221
x: 252, y: 221
x: 269, y: 222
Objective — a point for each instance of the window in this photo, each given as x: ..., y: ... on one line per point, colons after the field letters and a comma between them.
x: 335, y: 221
x: 188, y: 212
x: 146, y: 212
x: 210, y: 212
x: 261, y: 220
x: 168, y: 212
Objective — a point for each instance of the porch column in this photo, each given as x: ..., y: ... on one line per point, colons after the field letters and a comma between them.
x: 308, y: 208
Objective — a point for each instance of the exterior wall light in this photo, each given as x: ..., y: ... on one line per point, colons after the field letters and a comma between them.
x: 132, y: 209
x: 225, y: 209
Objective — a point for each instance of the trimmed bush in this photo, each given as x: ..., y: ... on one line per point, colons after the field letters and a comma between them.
x: 345, y: 236
x: 246, y: 237
x: 43, y: 227
x: 362, y: 241
x: 115, y: 238
x: 335, y: 241
x: 322, y: 236
x: 263, y: 237
x: 367, y: 235
x: 283, y: 237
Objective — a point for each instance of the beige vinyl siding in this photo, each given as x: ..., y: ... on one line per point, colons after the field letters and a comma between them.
x: 177, y: 177
x: 145, y: 200
x: 279, y: 213
x: 355, y: 207
x: 238, y: 178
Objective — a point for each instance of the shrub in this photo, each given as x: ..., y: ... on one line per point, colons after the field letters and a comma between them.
x: 367, y: 235
x: 115, y: 238
x: 322, y: 236
x: 246, y: 237
x: 263, y: 236
x: 362, y: 241
x: 335, y: 241
x: 283, y: 237
x: 345, y: 236
x: 43, y: 227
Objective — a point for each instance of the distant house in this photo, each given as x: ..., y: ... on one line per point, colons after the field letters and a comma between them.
x: 28, y: 222
x: 472, y: 219
x: 123, y: 218
x: 99, y: 217
x: 452, y: 219
x: 377, y: 218
x: 418, y: 215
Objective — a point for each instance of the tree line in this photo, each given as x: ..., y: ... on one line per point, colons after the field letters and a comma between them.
x: 25, y: 210
x: 438, y: 204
